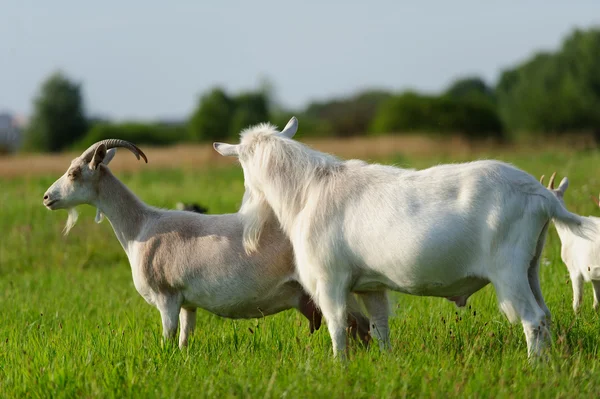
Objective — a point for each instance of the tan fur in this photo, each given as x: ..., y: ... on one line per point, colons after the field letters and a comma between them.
x: 183, y: 260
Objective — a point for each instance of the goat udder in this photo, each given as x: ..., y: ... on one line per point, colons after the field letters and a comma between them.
x: 311, y: 312
x: 460, y: 301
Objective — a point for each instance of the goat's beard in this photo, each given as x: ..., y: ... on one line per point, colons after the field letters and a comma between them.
x: 71, y: 220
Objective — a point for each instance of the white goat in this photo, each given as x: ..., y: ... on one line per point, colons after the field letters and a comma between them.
x: 445, y: 231
x: 580, y: 255
x: 181, y: 260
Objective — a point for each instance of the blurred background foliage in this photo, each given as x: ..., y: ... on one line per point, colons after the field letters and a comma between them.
x: 548, y: 94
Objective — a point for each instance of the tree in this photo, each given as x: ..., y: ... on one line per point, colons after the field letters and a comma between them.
x: 156, y: 134
x: 267, y: 88
x: 411, y: 112
x: 348, y: 116
x: 250, y: 109
x: 212, y: 118
x: 471, y: 88
x: 58, y: 119
x: 554, y: 92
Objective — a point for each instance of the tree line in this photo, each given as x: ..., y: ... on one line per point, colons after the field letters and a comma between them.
x: 550, y: 93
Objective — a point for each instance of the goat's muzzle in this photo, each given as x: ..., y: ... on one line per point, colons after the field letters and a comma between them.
x: 48, y: 202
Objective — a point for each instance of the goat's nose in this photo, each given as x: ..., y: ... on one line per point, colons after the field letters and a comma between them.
x: 45, y: 197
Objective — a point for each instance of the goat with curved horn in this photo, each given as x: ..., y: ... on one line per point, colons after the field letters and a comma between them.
x: 113, y: 143
x: 182, y: 260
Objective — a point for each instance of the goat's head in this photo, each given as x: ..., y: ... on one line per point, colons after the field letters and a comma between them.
x: 253, y: 134
x: 255, y: 157
x: 562, y: 187
x: 253, y: 149
x: 80, y: 183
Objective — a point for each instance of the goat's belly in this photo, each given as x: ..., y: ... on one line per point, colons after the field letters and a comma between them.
x: 454, y: 290
x: 249, y: 310
x: 246, y: 305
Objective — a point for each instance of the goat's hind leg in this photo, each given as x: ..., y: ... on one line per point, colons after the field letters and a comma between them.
x: 358, y: 323
x: 534, y: 284
x: 376, y: 304
x: 187, y: 323
x: 516, y: 300
x: 533, y: 275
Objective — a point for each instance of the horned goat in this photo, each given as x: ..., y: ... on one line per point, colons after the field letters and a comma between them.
x: 182, y: 260
x: 446, y: 231
x: 580, y: 255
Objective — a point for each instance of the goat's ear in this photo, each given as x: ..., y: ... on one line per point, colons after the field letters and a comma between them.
x: 110, y: 154
x: 98, y: 157
x: 564, y: 184
x: 227, y: 150
x: 291, y: 128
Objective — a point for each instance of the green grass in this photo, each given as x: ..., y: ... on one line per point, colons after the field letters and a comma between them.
x: 72, y: 324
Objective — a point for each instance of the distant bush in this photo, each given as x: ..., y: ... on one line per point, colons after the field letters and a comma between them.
x: 308, y: 126
x: 212, y: 118
x: 350, y: 116
x: 4, y: 149
x: 555, y: 92
x: 411, y: 112
x: 249, y: 109
x: 473, y: 89
x: 138, y: 133
x: 58, y: 118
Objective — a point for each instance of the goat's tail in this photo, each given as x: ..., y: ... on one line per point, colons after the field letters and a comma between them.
x: 578, y: 225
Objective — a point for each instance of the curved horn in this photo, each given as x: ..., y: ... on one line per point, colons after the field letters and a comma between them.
x: 551, y: 182
x: 595, y: 199
x: 542, y: 179
x: 114, y: 143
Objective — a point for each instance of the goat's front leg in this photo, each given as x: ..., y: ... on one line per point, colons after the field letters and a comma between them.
x: 169, y: 306
x: 332, y: 297
x: 187, y: 323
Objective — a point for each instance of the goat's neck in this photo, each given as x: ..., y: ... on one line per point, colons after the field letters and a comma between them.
x: 564, y: 234
x: 287, y: 204
x: 122, y: 208
x: 568, y: 248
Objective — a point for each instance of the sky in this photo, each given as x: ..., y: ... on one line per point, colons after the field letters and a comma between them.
x: 148, y: 59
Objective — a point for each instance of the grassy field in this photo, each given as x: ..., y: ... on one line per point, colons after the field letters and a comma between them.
x: 72, y: 324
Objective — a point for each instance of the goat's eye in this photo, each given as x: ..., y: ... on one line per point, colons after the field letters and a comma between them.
x: 72, y: 175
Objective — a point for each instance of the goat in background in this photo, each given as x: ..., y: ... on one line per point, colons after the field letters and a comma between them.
x: 580, y: 255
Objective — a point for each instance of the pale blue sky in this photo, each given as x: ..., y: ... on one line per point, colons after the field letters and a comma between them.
x: 150, y: 59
